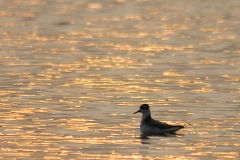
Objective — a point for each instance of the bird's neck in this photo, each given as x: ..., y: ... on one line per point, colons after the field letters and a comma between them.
x: 145, y: 117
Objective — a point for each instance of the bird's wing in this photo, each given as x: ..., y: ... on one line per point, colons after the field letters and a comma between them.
x: 157, y: 124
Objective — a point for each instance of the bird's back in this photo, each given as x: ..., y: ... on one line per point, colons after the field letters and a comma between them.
x: 151, y: 126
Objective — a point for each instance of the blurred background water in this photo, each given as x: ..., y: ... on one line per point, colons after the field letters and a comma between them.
x: 73, y: 72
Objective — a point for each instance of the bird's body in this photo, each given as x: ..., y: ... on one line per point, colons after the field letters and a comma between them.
x: 150, y: 126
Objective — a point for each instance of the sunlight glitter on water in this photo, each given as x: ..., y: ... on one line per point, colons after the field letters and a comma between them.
x: 73, y: 72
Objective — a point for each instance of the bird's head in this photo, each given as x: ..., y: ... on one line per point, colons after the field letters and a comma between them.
x: 144, y: 109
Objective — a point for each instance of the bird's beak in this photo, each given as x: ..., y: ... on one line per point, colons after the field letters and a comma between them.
x: 137, y: 111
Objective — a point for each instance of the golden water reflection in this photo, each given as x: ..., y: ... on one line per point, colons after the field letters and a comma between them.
x: 73, y: 72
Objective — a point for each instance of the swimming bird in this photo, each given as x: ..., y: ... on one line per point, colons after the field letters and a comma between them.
x: 150, y: 126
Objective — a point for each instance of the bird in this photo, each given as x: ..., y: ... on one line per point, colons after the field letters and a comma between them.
x: 150, y: 126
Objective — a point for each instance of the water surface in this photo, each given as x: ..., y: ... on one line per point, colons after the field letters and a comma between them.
x: 73, y: 72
